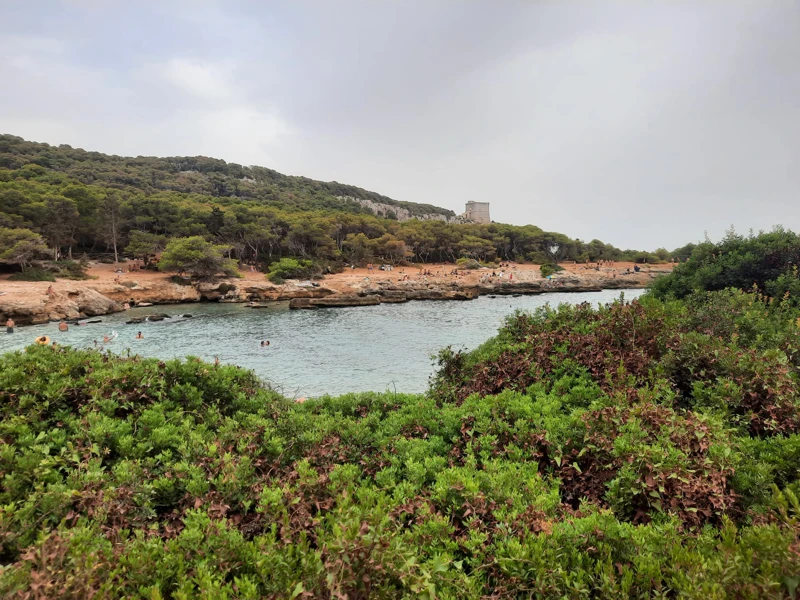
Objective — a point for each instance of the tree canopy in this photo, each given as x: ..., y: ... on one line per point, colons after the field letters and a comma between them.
x: 20, y: 246
x: 196, y: 256
x: 96, y: 203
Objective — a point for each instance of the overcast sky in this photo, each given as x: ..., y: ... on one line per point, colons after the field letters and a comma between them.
x: 644, y: 124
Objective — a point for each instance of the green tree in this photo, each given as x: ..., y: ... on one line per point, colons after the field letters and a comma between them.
x: 20, y: 246
x: 110, y: 217
x: 142, y: 244
x: 61, y: 220
x: 474, y: 247
x: 196, y: 256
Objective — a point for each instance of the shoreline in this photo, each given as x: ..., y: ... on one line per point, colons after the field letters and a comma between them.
x: 28, y: 303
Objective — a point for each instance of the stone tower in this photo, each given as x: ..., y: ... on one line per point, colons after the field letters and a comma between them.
x: 477, y: 212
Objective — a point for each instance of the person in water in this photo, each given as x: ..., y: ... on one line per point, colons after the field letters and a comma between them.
x: 10, y: 325
x: 63, y: 326
x: 139, y: 336
x: 106, y: 339
x: 264, y: 344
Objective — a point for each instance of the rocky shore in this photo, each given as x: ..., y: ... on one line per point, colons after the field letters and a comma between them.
x: 28, y: 302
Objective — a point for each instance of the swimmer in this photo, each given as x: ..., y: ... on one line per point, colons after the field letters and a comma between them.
x: 10, y: 326
x: 106, y: 339
x: 63, y: 326
x: 139, y: 336
x: 264, y: 344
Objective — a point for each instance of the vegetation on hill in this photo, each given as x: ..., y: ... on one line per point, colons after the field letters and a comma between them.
x: 198, y: 175
x: 79, y: 201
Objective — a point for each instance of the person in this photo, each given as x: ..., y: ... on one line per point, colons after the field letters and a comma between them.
x: 10, y: 325
x: 216, y: 361
x: 126, y: 306
x: 106, y: 338
x: 265, y: 343
x: 62, y: 326
x: 49, y: 290
x: 43, y: 340
x: 139, y: 336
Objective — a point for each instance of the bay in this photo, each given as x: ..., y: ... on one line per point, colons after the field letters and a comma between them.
x: 311, y: 353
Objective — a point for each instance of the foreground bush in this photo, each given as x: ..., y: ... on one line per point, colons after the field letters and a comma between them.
x: 631, y: 451
x: 767, y: 262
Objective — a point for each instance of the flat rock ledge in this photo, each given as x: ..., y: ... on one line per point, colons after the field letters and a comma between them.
x: 83, y: 300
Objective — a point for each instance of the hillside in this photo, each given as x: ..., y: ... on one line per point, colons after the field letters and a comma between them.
x: 66, y: 202
x: 198, y: 175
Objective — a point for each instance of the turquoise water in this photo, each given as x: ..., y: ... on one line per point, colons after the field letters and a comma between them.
x: 311, y: 353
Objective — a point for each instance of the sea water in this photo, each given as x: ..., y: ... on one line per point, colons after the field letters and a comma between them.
x: 311, y: 352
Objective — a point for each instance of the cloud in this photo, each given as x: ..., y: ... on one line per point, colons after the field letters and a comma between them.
x: 206, y: 81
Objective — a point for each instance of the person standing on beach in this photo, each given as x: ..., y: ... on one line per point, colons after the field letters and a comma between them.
x: 10, y: 325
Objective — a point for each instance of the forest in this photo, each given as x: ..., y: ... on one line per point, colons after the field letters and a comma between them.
x: 64, y: 202
x: 645, y: 449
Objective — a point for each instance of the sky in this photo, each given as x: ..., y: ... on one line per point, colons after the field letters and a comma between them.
x: 644, y: 124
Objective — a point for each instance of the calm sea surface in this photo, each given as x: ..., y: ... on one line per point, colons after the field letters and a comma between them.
x: 316, y: 352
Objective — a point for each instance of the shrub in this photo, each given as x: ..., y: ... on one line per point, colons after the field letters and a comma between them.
x: 766, y: 262
x: 68, y: 269
x: 548, y: 269
x: 468, y: 263
x: 290, y: 268
x: 33, y: 274
x: 636, y: 450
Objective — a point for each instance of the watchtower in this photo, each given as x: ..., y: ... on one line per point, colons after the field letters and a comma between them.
x: 477, y: 212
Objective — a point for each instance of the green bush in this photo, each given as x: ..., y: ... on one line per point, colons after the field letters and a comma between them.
x: 766, y: 262
x: 33, y: 274
x: 68, y: 269
x: 548, y: 269
x: 468, y: 263
x: 634, y: 450
x: 291, y: 268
